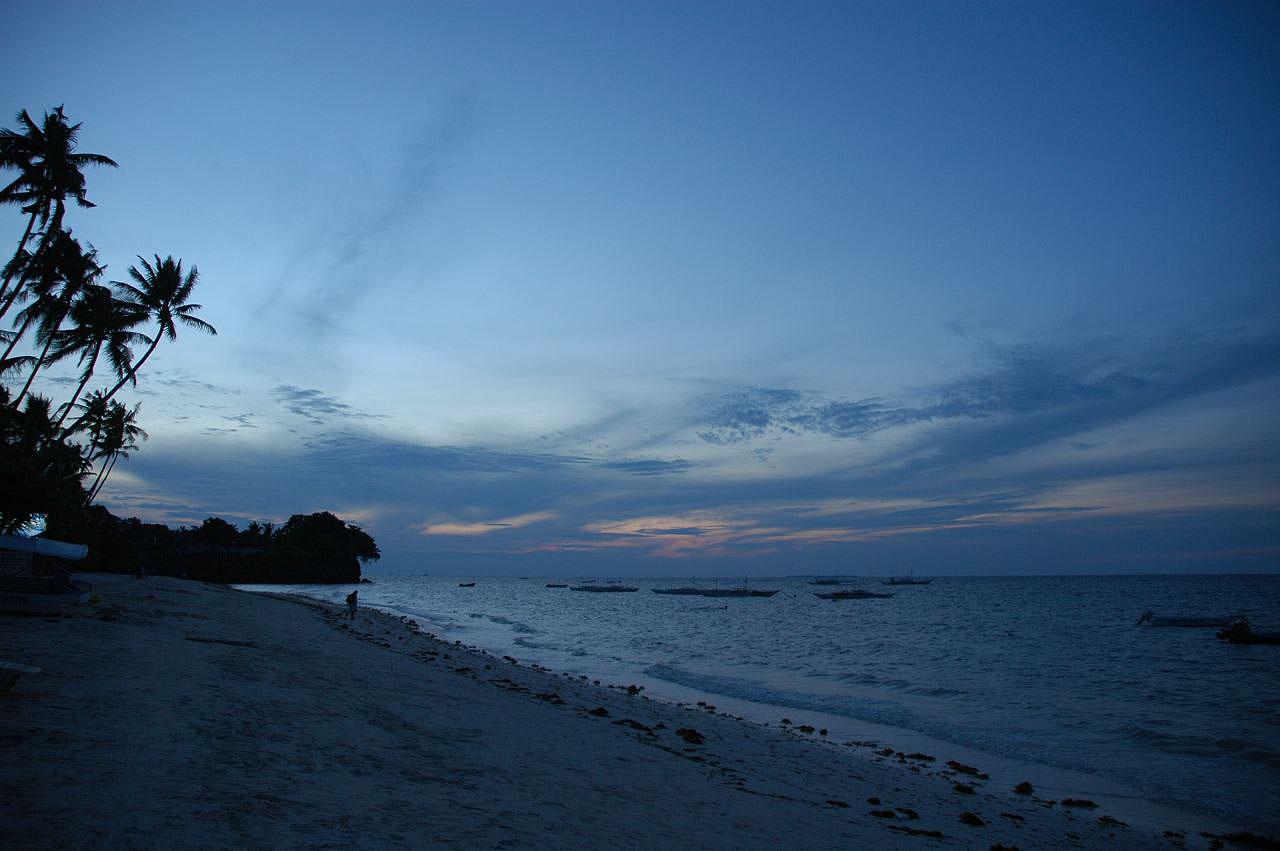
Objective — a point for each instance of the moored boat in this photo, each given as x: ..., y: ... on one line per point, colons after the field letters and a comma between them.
x: 1150, y: 619
x: 904, y: 580
x: 852, y: 595
x: 1240, y: 632
x: 603, y: 588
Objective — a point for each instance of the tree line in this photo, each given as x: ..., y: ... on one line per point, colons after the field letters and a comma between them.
x: 308, y: 548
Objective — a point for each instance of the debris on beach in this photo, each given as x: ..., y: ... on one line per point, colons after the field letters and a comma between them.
x: 972, y: 819
x: 1079, y: 802
x: 634, y: 725
x: 966, y: 769
x: 965, y: 789
x: 690, y: 735
x: 599, y: 712
x: 1024, y: 788
x: 916, y: 831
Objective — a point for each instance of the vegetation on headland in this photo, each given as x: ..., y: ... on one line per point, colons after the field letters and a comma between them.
x: 55, y: 458
x: 308, y: 548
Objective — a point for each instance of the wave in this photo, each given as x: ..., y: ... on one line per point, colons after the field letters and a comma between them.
x: 1201, y: 746
x: 516, y: 626
x: 849, y: 706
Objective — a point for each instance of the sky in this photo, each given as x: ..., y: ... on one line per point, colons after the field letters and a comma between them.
x: 695, y: 288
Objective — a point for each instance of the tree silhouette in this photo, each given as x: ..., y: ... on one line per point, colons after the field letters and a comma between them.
x: 76, y: 269
x: 99, y: 320
x: 164, y: 293
x: 48, y: 173
x: 41, y: 473
x: 116, y: 436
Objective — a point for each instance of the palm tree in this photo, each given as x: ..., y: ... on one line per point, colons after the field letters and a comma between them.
x: 76, y: 270
x: 100, y: 320
x: 117, y: 436
x: 163, y: 292
x: 38, y: 277
x: 48, y: 172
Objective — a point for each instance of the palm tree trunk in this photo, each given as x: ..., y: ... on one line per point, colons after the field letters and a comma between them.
x: 88, y: 373
x: 133, y: 369
x: 102, y: 479
x: 22, y: 243
x: 16, y: 337
x: 39, y: 363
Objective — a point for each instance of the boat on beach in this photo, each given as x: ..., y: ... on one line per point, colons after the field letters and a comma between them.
x: 852, y: 595
x: 21, y: 592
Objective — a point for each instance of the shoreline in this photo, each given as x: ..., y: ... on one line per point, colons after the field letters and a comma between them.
x: 195, y: 714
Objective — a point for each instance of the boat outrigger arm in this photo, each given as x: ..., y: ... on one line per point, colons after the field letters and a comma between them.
x: 44, y: 547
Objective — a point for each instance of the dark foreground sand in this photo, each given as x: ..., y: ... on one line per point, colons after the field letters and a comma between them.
x: 174, y: 714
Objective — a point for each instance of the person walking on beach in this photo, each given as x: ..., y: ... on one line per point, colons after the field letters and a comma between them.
x: 351, y: 604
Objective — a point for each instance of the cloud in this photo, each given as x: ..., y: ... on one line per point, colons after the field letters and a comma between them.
x: 464, y: 529
x: 649, y: 467
x: 315, y: 406
x: 346, y: 262
x: 1030, y: 394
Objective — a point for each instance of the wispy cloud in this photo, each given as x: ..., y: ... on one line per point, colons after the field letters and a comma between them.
x: 316, y: 406
x: 465, y: 529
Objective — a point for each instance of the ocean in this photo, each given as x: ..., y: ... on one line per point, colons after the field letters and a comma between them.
x: 1050, y: 671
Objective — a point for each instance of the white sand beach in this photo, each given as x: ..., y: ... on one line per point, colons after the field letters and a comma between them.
x: 174, y: 714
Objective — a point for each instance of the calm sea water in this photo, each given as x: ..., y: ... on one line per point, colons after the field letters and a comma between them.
x: 1047, y: 670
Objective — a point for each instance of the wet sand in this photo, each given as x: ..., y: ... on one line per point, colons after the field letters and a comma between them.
x: 179, y: 714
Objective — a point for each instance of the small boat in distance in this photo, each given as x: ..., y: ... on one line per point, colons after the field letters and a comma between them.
x: 1150, y: 619
x: 557, y: 585
x: 1240, y: 632
x: 716, y: 592
x: 466, y: 585
x: 852, y: 595
x: 904, y: 580
x: 826, y: 580
x: 603, y: 588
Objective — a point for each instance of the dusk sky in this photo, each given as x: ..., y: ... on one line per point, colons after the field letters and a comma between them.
x: 694, y: 288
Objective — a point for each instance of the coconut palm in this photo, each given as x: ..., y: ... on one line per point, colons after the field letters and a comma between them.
x: 164, y: 292
x: 76, y: 269
x: 99, y: 321
x: 117, y: 436
x: 48, y: 173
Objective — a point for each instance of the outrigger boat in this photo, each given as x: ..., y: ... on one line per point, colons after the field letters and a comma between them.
x: 852, y: 595
x: 603, y: 588
x: 1240, y: 632
x: 715, y: 592
x: 1150, y: 619
x: 20, y: 591
x: 904, y: 580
